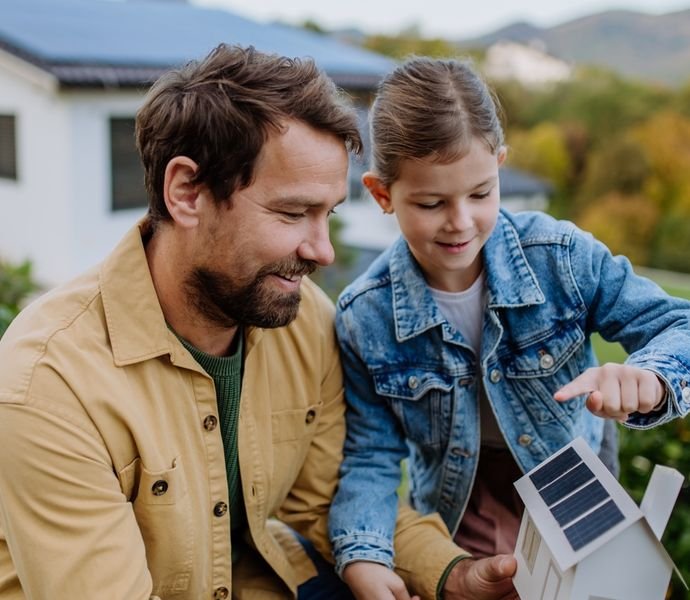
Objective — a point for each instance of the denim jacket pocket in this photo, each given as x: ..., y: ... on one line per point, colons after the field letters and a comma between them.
x: 539, y: 368
x: 421, y: 399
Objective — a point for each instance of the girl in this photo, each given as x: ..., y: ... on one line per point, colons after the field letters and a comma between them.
x: 468, y: 341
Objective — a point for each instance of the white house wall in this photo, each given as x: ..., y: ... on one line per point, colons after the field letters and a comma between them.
x: 96, y: 228
x: 34, y: 221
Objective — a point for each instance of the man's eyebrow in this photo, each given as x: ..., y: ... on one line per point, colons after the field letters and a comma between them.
x: 302, y: 202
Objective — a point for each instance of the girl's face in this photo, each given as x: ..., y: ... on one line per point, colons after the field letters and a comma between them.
x: 446, y: 212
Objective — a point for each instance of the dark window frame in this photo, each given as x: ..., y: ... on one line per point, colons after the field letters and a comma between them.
x: 127, y: 190
x: 8, y: 147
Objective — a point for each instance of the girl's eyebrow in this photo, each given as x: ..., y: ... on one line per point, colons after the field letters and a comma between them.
x: 490, y: 181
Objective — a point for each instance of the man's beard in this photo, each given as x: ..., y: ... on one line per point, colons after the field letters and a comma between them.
x: 224, y: 303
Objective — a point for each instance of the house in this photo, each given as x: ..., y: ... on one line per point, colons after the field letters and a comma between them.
x: 583, y: 538
x: 72, y: 75
x: 528, y: 64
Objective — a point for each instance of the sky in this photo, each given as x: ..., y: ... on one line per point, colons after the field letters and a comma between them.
x: 452, y: 19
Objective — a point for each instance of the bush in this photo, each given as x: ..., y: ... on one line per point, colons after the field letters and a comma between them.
x: 16, y: 285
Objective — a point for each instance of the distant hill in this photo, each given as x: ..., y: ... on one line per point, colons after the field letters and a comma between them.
x: 640, y: 45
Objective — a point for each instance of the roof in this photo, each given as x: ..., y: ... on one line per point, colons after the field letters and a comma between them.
x: 577, y: 505
x: 99, y: 43
x: 519, y: 183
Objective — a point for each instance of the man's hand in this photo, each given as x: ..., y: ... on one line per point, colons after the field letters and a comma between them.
x: 483, y: 579
x: 616, y: 390
x: 373, y: 581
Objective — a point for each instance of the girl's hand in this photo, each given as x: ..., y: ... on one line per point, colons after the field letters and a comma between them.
x: 616, y: 390
x: 373, y: 581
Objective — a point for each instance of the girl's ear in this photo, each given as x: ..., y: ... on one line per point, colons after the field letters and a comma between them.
x: 502, y: 154
x: 182, y: 196
x: 379, y: 191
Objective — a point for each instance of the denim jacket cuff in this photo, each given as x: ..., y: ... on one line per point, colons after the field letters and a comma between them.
x: 364, y: 546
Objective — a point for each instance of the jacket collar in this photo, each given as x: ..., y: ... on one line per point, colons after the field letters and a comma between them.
x: 510, y: 281
x: 136, y: 325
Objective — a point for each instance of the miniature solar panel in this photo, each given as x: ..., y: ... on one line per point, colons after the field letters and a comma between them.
x: 555, y: 467
x: 593, y: 525
x: 579, y: 503
x: 566, y: 484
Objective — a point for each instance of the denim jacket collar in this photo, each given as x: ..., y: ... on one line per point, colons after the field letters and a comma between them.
x: 511, y: 282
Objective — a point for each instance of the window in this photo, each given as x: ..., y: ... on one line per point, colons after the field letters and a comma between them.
x: 530, y: 544
x: 126, y: 172
x: 551, y: 584
x: 8, y: 147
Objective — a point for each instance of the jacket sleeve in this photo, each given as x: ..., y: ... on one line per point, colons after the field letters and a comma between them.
x: 653, y: 327
x: 68, y: 527
x: 366, y: 522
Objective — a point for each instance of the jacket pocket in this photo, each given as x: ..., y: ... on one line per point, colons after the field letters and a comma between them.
x: 536, y: 370
x: 421, y: 399
x: 162, y: 508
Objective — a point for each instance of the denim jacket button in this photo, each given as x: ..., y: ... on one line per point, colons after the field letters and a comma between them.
x: 546, y: 361
x: 413, y: 382
x: 525, y: 440
x: 495, y: 376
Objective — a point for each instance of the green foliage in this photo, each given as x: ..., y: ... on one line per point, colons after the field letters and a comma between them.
x: 404, y: 45
x: 16, y: 284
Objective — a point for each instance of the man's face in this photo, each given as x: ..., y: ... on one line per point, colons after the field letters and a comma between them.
x: 252, y: 252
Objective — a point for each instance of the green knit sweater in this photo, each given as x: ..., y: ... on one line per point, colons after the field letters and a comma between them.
x: 226, y: 372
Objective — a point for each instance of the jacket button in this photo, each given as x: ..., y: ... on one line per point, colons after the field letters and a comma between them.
x: 160, y: 487
x: 413, y: 382
x: 495, y: 376
x: 525, y: 440
x: 686, y: 395
x: 221, y: 593
x: 546, y: 361
x: 311, y: 415
x: 220, y: 509
x: 210, y: 423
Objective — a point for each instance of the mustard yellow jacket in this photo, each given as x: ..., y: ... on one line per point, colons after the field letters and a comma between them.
x: 112, y: 472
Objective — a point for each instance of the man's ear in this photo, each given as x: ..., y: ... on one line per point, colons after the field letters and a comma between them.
x: 378, y: 190
x: 182, y: 195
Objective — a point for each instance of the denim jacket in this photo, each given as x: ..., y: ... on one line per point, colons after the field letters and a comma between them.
x: 412, y: 381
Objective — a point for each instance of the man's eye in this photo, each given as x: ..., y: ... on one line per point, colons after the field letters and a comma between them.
x: 292, y: 215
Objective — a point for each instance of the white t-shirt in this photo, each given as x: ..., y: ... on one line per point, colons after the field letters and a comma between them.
x: 465, y: 312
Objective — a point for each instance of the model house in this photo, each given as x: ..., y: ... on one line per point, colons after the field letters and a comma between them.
x: 583, y: 538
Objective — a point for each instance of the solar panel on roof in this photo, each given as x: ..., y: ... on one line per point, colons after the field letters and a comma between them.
x: 566, y: 484
x: 593, y: 525
x: 579, y: 503
x: 555, y: 468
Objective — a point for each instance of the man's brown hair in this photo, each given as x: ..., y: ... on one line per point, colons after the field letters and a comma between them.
x: 220, y: 110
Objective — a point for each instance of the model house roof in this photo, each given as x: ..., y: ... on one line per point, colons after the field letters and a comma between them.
x: 577, y: 504
x: 105, y: 43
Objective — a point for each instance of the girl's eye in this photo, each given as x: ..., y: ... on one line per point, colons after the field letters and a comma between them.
x: 481, y: 196
x: 332, y: 212
x: 429, y: 206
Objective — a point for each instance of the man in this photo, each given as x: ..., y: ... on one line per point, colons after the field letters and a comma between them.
x: 158, y: 411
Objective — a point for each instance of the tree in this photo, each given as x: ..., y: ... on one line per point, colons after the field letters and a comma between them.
x: 626, y: 224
